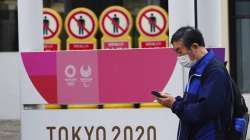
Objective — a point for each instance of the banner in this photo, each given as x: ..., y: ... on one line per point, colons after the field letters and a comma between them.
x: 107, y: 124
x: 103, y: 76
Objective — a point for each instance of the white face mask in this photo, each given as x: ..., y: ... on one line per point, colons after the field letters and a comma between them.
x: 185, y: 61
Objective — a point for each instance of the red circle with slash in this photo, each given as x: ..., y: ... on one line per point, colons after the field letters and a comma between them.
x: 88, y: 31
x: 123, y: 30
x: 52, y: 33
x: 160, y: 29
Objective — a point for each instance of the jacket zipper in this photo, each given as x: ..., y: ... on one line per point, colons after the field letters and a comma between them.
x: 189, y: 80
x: 179, y: 130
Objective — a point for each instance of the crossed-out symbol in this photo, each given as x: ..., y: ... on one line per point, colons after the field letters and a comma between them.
x: 47, y: 31
x: 81, y: 21
x: 152, y: 20
x: 116, y: 23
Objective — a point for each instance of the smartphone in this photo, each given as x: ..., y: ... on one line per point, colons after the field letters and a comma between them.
x: 157, y: 94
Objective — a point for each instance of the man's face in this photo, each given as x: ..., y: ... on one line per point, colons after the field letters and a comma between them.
x: 181, y: 50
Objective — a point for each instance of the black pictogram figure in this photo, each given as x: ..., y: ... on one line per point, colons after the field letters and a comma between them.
x: 81, y: 25
x: 117, y: 22
x: 45, y: 26
x: 152, y: 22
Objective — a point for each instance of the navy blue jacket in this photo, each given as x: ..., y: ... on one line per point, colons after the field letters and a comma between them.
x: 199, y: 114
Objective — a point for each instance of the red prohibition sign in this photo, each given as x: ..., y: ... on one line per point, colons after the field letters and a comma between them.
x: 161, y: 29
x: 89, y: 32
x: 123, y: 30
x: 53, y: 33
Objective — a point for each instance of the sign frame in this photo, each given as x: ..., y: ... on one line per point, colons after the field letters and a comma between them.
x: 142, y: 13
x: 82, y: 41
x: 53, y: 42
x: 89, y: 13
x: 121, y: 10
x: 58, y: 20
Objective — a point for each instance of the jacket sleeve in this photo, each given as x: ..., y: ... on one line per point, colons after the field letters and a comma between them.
x: 211, y: 100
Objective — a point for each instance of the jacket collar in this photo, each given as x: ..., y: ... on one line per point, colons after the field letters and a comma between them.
x: 201, y: 64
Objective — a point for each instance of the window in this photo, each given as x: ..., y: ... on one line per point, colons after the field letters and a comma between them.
x: 8, y: 26
x: 240, y: 42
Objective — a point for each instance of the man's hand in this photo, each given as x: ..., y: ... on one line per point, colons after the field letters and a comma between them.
x: 167, y: 101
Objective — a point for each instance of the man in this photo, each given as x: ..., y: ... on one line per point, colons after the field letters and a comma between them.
x: 204, y: 110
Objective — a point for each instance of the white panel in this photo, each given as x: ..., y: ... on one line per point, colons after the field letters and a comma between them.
x: 9, y: 86
x: 181, y: 13
x: 30, y: 39
x: 209, y: 21
x: 29, y: 94
x: 39, y: 123
x: 30, y: 25
x: 175, y: 84
x: 224, y: 28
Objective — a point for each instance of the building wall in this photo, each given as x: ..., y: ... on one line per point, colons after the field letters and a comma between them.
x: 9, y: 86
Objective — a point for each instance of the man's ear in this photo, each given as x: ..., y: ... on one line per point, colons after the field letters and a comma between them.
x: 195, y: 46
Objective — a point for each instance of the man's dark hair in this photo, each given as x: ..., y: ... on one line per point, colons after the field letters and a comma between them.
x: 188, y: 35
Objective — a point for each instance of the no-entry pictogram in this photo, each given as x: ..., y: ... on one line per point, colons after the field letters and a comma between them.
x: 52, y: 23
x: 152, y: 21
x: 115, y: 21
x: 81, y: 23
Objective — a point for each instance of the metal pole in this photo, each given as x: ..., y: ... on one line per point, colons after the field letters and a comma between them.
x: 195, y: 14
